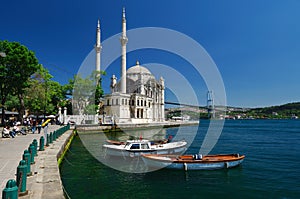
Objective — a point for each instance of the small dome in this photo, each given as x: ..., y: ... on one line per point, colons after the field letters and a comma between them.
x: 138, y: 69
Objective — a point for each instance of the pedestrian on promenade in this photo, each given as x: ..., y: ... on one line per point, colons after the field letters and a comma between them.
x: 45, y: 131
x: 33, y: 127
x: 11, y: 133
x: 39, y: 126
x: 6, y: 132
x: 16, y: 130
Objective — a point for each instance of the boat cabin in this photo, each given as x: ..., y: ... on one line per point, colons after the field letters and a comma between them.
x: 137, y: 145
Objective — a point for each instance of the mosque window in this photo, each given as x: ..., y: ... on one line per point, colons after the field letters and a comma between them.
x: 108, y: 102
x: 117, y: 102
x: 138, y: 102
x: 122, y: 101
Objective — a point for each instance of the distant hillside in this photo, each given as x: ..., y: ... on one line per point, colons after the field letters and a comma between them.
x: 285, y: 111
x: 290, y: 107
x: 282, y: 111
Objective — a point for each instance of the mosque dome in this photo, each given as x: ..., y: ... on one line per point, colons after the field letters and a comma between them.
x: 139, y: 72
x: 138, y: 69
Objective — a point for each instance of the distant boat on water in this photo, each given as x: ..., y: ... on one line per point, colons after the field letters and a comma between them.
x: 193, y: 162
x: 294, y: 117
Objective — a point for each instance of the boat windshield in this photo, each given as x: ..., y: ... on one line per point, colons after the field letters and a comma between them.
x: 144, y: 146
x: 135, y: 146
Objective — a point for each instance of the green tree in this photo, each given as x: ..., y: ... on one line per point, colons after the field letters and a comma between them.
x: 43, y: 95
x: 15, y: 70
x: 85, y: 92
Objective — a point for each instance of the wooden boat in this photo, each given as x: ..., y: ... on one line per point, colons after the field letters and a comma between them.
x: 193, y: 162
x: 134, y: 148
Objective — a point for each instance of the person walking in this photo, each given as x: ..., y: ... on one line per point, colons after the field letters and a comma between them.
x: 39, y: 126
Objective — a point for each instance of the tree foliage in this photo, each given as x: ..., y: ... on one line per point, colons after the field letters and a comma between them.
x: 86, y: 93
x: 43, y: 96
x: 26, y: 84
x: 15, y: 70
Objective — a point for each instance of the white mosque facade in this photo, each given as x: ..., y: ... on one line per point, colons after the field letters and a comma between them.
x: 138, y: 97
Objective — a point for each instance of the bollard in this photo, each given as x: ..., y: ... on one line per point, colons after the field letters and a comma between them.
x: 31, y: 151
x: 48, y: 140
x: 42, y: 140
x: 51, y: 137
x: 26, y: 157
x: 54, y: 135
x: 22, y: 178
x: 11, y: 190
x: 35, y: 143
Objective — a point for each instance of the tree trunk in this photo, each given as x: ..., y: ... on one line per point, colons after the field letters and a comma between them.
x: 22, y: 108
x: 3, y: 111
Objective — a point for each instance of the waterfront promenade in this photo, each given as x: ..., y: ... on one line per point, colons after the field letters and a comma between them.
x: 45, y: 181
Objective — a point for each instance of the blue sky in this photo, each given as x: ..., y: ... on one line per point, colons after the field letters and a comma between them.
x: 255, y: 44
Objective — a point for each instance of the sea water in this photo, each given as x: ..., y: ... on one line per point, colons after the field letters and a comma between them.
x: 271, y: 168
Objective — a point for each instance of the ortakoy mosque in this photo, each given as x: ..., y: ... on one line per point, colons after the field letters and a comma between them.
x: 138, y: 98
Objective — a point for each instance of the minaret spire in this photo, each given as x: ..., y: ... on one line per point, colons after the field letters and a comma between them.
x: 124, y: 41
x: 98, y: 48
x: 124, y: 13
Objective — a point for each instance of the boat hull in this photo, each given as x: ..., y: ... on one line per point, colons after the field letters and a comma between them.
x: 170, y: 162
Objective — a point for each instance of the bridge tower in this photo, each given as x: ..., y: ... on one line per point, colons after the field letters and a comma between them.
x: 210, y: 105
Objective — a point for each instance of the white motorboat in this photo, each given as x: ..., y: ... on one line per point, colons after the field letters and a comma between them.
x: 134, y: 148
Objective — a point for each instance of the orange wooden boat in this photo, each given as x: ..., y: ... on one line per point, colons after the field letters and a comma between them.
x: 193, y: 162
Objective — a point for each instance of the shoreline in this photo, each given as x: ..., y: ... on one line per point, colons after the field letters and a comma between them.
x: 129, y: 126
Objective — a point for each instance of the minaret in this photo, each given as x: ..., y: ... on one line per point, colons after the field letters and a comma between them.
x: 98, y: 48
x: 124, y: 41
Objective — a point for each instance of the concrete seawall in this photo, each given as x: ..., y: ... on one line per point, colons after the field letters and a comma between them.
x: 46, y: 181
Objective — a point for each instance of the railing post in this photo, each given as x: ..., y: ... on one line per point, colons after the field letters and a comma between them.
x: 48, y: 140
x: 34, y: 142
x: 51, y: 137
x: 54, y: 135
x: 22, y: 178
x: 27, y: 159
x: 31, y: 151
x: 42, y: 140
x: 11, y: 190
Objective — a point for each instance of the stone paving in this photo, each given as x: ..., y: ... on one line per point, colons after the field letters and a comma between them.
x: 11, y: 151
